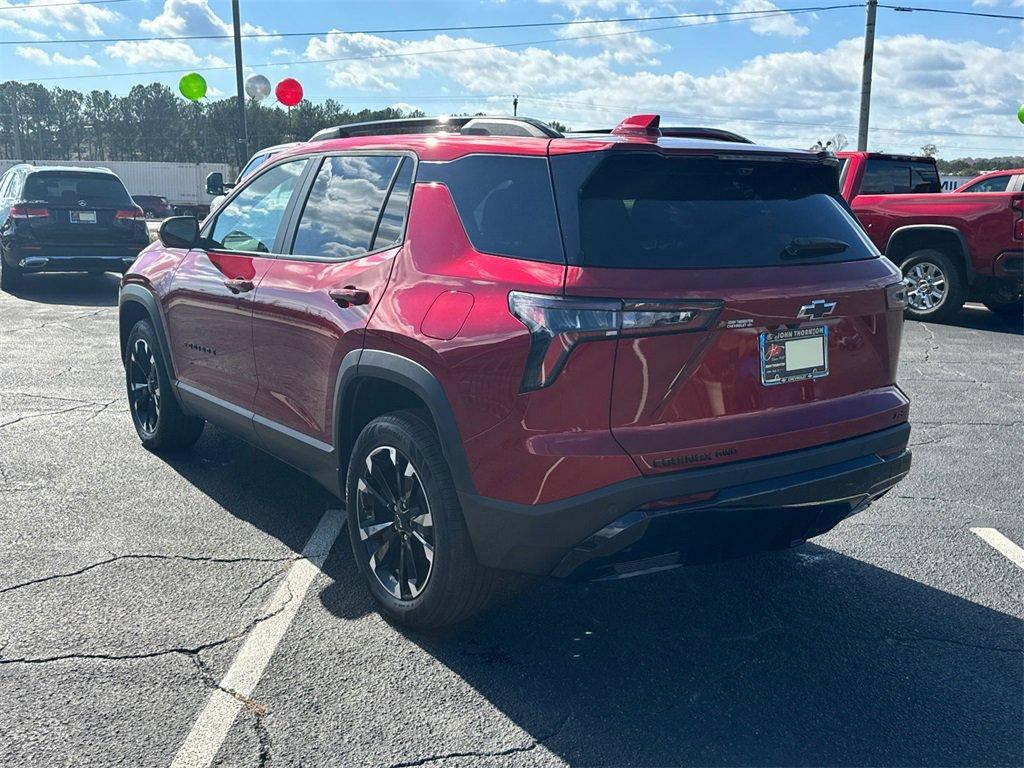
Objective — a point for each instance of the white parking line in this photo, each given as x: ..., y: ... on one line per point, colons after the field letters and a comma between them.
x: 1001, y: 544
x: 211, y: 728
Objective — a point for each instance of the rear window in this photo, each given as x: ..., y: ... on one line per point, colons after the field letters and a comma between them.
x: 649, y: 211
x: 505, y: 204
x: 899, y: 177
x: 68, y: 189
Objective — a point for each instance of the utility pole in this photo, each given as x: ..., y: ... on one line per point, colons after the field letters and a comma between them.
x: 865, y: 82
x: 515, y: 106
x: 242, y: 143
x: 16, y: 125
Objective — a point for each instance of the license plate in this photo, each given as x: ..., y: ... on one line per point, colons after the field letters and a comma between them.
x: 83, y: 217
x: 794, y: 355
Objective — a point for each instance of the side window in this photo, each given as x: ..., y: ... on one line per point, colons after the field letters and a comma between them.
x: 344, y: 205
x: 250, y: 221
x: 995, y: 184
x: 392, y: 221
x: 5, y: 182
x: 505, y: 203
x: 252, y: 165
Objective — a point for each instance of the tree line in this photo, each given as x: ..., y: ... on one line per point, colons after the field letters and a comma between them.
x: 152, y: 122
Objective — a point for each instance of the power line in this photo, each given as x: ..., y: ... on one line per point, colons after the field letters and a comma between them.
x: 981, y: 14
x: 26, y: 6
x: 417, y: 30
x: 466, y: 49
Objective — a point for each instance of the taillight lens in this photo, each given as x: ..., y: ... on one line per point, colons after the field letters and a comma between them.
x: 557, y: 324
x: 29, y: 212
x: 133, y: 213
x: 896, y: 296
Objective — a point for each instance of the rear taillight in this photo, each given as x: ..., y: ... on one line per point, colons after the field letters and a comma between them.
x: 557, y: 324
x: 130, y: 213
x: 1018, y: 226
x: 896, y: 296
x: 29, y: 212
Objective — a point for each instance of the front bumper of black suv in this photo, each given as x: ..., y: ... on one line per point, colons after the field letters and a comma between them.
x: 758, y: 504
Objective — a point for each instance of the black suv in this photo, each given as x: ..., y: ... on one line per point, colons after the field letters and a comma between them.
x: 56, y: 219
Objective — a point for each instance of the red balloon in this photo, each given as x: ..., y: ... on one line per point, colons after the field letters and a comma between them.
x: 288, y: 92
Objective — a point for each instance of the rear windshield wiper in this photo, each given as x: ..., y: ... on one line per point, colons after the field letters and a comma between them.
x: 809, y: 247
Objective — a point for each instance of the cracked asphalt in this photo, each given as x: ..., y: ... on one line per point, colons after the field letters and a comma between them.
x: 128, y: 582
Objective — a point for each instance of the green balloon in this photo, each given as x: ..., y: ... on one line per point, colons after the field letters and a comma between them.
x: 1020, y: 113
x: 192, y: 86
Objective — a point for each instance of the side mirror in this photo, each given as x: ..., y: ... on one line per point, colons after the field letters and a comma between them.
x: 180, y: 232
x: 215, y: 184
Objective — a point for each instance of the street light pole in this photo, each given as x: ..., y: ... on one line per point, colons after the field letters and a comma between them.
x: 242, y: 142
x: 865, y: 82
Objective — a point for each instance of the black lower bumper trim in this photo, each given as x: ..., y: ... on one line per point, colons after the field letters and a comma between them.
x: 790, y: 496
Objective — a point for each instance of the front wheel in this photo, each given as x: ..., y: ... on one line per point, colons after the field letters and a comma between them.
x: 159, y: 420
x: 406, y: 527
x: 936, y: 288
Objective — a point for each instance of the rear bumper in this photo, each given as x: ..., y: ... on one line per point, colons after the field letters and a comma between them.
x: 758, y: 504
x: 116, y: 261
x: 1009, y: 264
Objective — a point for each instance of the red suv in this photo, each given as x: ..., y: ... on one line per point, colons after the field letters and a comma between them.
x: 513, y: 350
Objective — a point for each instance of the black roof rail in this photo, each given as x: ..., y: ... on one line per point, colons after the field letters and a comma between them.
x: 476, y: 125
x: 694, y: 132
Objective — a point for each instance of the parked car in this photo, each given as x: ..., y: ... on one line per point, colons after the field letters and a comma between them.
x: 216, y: 186
x: 1011, y: 180
x: 153, y: 206
x: 56, y: 219
x: 952, y: 247
x: 510, y: 349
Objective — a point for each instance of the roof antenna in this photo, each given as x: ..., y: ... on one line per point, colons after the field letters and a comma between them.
x: 515, y: 105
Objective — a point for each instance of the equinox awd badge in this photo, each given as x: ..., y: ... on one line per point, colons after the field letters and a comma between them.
x: 817, y: 309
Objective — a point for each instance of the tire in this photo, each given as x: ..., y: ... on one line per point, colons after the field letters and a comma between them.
x: 158, y: 419
x: 1005, y: 301
x: 451, y: 585
x: 10, y: 275
x: 936, y: 286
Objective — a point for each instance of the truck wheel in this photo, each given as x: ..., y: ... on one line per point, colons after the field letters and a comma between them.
x: 1006, y: 300
x: 936, y: 287
x: 406, y: 527
x: 10, y: 275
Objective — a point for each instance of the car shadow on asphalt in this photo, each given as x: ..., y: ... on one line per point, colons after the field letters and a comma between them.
x: 980, y: 319
x: 71, y: 289
x: 799, y: 657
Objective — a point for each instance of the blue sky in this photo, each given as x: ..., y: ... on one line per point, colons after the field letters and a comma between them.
x: 952, y: 81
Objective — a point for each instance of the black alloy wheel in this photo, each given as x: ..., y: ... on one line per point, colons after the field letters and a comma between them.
x: 395, y: 524
x: 144, y: 387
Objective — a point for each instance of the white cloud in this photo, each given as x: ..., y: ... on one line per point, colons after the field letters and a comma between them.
x: 785, y: 25
x: 73, y: 17
x: 160, y: 53
x: 41, y: 57
x: 624, y: 45
x: 194, y: 17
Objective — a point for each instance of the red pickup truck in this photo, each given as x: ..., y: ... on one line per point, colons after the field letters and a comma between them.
x: 951, y: 247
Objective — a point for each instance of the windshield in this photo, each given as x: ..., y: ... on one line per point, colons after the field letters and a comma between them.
x: 69, y: 189
x: 651, y: 211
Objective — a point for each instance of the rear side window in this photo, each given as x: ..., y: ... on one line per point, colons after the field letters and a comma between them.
x: 344, y: 205
x: 67, y: 189
x: 994, y: 184
x: 505, y: 204
x: 899, y: 177
x: 649, y: 211
x: 392, y: 220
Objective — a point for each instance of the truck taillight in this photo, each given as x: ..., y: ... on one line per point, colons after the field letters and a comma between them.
x: 557, y: 324
x: 1018, y: 226
x: 130, y: 213
x: 29, y: 212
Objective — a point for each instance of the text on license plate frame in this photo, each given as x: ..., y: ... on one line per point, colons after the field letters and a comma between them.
x: 777, y: 348
x: 82, y: 217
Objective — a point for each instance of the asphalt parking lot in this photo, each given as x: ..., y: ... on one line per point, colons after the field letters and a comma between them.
x: 129, y: 584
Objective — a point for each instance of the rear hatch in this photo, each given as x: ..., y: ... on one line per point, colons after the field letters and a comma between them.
x: 754, y: 315
x: 72, y: 208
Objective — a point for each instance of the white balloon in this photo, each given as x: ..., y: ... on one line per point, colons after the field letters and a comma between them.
x: 257, y: 86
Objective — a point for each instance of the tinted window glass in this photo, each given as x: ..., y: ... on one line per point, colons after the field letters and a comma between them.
x: 66, y: 189
x: 252, y: 165
x: 896, y: 177
x: 343, y: 206
x: 250, y: 221
x: 392, y: 221
x: 652, y: 211
x: 505, y: 204
x: 995, y: 184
